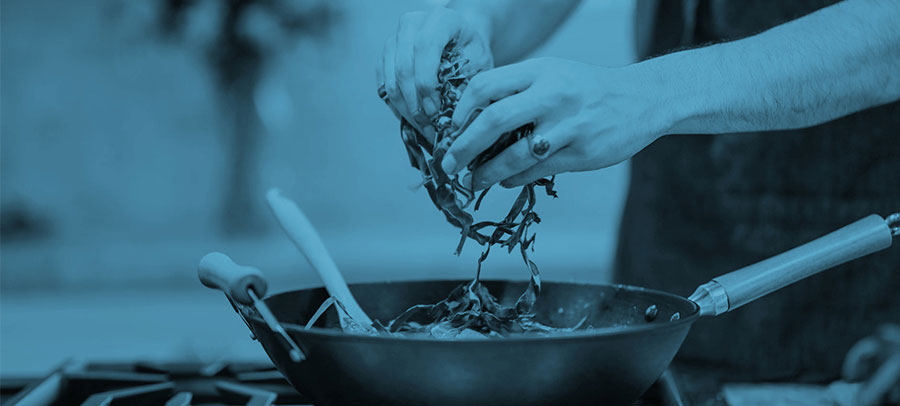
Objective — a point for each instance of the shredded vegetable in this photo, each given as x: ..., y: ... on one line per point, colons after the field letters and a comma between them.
x: 470, y: 308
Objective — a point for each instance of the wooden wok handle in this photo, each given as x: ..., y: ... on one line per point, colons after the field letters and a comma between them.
x: 735, y: 289
x: 218, y: 271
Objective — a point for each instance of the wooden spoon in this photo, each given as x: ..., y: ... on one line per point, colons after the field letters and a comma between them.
x: 305, y: 237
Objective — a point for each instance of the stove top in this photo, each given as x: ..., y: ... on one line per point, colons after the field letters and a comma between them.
x: 239, y: 383
x: 145, y: 383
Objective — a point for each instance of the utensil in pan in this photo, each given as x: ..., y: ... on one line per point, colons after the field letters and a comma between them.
x: 306, y: 238
x: 612, y: 363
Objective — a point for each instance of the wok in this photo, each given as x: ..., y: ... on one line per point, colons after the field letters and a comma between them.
x: 613, y: 363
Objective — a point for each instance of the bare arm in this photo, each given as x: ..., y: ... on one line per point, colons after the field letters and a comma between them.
x: 833, y: 62
x: 836, y: 61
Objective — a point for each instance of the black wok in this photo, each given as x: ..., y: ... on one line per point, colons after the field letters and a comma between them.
x: 613, y: 363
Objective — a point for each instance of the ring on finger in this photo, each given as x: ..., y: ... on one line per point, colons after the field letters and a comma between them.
x: 539, y: 146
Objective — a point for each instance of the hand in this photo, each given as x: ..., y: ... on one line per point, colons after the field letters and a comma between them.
x: 593, y: 117
x: 409, y: 64
x: 875, y: 361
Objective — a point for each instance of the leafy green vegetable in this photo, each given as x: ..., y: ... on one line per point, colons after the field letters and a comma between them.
x: 470, y: 307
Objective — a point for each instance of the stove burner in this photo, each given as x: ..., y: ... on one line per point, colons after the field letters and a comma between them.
x: 170, y: 384
x: 257, y: 384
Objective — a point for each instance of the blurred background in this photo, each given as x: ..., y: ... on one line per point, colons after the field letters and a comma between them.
x: 139, y: 135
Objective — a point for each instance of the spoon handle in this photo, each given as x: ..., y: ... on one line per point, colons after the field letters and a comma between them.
x: 305, y: 237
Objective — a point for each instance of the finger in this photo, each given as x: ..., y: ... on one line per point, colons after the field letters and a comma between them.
x: 404, y: 64
x: 379, y: 76
x: 488, y: 86
x: 498, y: 118
x: 381, y: 87
x: 437, y: 30
x: 513, y: 160
x: 563, y: 160
x: 394, y: 97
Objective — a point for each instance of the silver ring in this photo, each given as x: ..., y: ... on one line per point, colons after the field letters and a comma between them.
x: 382, y: 92
x: 539, y: 146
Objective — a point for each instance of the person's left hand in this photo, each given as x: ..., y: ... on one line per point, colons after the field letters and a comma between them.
x: 592, y: 117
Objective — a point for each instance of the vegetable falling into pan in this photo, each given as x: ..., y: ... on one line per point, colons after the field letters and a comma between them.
x: 470, y: 310
x: 471, y: 307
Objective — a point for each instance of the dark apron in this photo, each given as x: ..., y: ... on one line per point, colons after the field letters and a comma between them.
x: 699, y: 206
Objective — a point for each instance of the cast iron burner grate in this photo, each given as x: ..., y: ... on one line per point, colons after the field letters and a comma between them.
x: 235, y: 383
x: 144, y: 383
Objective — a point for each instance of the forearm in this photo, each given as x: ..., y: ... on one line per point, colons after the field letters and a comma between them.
x: 515, y: 27
x: 836, y: 61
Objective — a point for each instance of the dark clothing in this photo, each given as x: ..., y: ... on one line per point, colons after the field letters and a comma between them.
x: 699, y: 206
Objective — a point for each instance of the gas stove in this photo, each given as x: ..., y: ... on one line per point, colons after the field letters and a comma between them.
x: 146, y: 383
x: 237, y: 383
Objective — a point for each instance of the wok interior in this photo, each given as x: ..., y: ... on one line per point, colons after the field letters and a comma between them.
x: 560, y: 304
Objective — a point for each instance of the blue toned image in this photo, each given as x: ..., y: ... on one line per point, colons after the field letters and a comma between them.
x: 450, y: 202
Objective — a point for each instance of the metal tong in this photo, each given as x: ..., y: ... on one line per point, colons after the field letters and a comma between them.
x: 243, y: 286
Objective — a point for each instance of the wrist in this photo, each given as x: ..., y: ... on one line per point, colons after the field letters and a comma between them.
x: 478, y: 16
x: 688, y: 88
x: 670, y: 102
x: 483, y: 25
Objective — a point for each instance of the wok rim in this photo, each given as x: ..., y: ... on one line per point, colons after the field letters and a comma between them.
x: 581, y: 335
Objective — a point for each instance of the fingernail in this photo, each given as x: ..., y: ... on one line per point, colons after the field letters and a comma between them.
x: 430, y: 107
x: 448, y: 164
x: 467, y: 180
x: 418, y: 117
x: 478, y: 183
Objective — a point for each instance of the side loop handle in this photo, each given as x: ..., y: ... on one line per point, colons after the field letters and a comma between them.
x: 218, y: 271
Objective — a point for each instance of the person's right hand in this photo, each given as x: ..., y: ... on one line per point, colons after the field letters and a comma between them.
x: 406, y: 75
